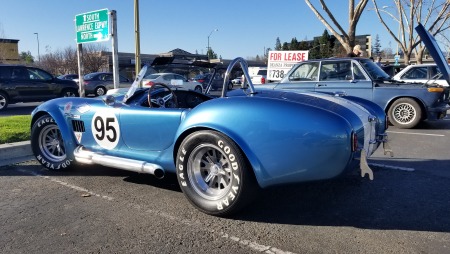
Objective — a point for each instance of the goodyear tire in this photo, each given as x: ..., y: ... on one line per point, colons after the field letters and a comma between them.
x: 47, y: 144
x: 405, y: 113
x: 214, y: 174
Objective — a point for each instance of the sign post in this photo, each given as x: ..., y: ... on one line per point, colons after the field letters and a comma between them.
x: 94, y: 26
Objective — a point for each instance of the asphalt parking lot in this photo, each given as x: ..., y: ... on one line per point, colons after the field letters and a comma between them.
x: 96, y: 209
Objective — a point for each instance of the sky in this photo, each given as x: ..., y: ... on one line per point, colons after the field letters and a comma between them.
x: 245, y: 28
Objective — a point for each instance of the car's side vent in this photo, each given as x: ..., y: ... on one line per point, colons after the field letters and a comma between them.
x: 78, y: 126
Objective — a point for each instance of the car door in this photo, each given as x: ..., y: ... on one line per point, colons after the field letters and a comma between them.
x: 31, y: 84
x: 149, y: 129
x: 107, y: 80
x: 344, y: 77
x: 303, y: 77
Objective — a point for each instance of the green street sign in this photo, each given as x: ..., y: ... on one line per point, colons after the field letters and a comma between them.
x: 92, y: 26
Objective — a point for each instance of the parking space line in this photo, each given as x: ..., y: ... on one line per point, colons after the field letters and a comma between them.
x: 250, y: 244
x: 391, y: 167
x: 415, y: 133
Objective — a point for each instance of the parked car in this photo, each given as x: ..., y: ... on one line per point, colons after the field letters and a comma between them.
x: 222, y: 149
x: 173, y: 80
x: 237, y: 81
x: 213, y: 80
x: 406, y: 104
x: 258, y: 75
x: 20, y: 83
x: 202, y: 78
x: 421, y: 73
x: 97, y: 83
x: 392, y: 69
x: 69, y: 76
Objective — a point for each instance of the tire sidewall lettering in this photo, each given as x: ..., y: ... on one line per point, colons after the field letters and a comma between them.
x: 182, y: 166
x: 38, y: 126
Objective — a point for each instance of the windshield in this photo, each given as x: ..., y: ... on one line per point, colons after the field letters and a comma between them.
x: 135, y: 84
x: 375, y: 71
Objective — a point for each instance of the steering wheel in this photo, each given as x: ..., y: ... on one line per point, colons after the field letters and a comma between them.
x: 170, y: 99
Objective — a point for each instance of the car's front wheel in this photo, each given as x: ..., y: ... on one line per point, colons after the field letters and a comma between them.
x: 405, y: 113
x: 48, y: 145
x: 3, y: 101
x: 214, y: 174
x: 99, y: 91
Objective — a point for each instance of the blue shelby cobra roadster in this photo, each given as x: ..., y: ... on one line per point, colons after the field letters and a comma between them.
x: 222, y: 149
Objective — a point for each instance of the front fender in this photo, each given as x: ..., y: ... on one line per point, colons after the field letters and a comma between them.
x: 55, y: 108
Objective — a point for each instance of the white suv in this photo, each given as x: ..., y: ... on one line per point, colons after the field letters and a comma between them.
x: 258, y: 75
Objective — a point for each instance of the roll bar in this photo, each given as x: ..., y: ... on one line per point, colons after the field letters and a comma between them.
x: 244, y: 67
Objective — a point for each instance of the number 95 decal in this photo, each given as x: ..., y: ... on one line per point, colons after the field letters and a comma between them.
x: 105, y: 129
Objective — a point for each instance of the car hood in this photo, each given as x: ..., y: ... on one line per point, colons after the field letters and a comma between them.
x: 435, y: 51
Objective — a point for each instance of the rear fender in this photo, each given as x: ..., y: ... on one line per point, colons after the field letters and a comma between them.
x: 260, y: 130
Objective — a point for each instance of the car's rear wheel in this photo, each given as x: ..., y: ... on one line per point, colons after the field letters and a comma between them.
x: 48, y: 145
x: 214, y: 174
x: 405, y: 113
x: 3, y: 101
x: 198, y: 89
x: 69, y: 93
x: 99, y: 91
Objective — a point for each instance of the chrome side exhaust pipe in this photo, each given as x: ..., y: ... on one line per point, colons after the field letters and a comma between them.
x: 88, y: 157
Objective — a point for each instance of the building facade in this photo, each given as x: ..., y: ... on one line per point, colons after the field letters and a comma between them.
x: 9, y: 51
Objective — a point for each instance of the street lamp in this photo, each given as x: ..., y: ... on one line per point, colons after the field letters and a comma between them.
x: 207, y: 52
x: 37, y: 37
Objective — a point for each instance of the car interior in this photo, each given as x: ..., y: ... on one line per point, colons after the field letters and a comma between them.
x: 160, y: 98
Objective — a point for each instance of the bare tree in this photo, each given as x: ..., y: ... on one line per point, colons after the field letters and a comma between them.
x: 92, y: 58
x: 347, y: 39
x: 65, y: 61
x: 432, y: 14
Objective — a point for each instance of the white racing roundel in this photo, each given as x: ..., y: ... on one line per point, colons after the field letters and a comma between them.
x: 105, y: 129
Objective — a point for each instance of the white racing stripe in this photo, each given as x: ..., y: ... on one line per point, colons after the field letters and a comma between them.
x: 250, y: 244
x: 415, y: 133
x: 360, y: 111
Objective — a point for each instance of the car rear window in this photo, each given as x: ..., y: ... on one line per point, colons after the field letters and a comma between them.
x: 262, y: 72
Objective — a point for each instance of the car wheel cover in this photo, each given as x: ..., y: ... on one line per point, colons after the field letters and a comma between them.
x: 51, y: 143
x: 100, y: 91
x: 404, y: 113
x: 209, y: 172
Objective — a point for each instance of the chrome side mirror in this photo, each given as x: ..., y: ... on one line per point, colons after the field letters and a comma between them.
x: 109, y: 100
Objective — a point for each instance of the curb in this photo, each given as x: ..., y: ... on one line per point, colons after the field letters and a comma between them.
x: 15, y: 152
